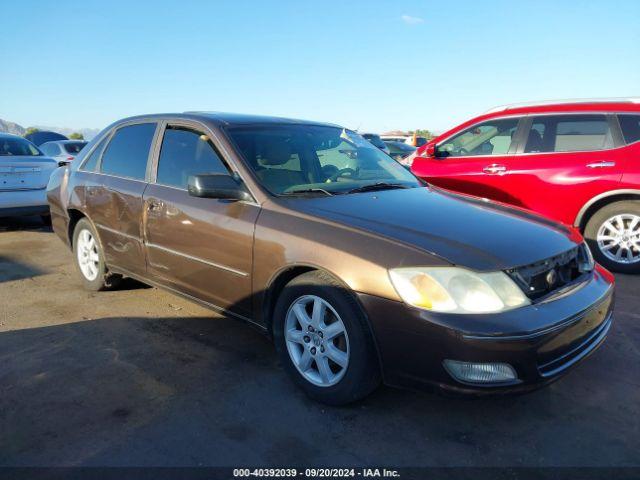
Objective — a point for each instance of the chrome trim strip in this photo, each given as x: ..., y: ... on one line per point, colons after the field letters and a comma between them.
x: 197, y: 259
x: 118, y: 232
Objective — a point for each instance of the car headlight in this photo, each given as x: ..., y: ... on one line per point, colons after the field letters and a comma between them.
x: 457, y: 290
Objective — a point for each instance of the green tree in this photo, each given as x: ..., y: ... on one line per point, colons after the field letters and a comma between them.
x: 31, y: 130
x: 76, y: 136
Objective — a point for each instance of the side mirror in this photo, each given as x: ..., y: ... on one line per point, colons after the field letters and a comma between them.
x: 430, y: 151
x: 216, y: 186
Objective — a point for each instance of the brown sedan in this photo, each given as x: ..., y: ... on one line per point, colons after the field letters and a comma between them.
x: 359, y: 272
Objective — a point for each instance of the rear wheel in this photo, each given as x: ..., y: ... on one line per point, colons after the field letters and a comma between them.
x: 323, y: 340
x: 89, y: 258
x: 613, y: 233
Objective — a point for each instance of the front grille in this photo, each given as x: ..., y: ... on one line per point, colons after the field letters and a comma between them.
x: 546, y: 277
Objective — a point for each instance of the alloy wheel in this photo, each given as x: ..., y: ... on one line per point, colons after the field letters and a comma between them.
x: 87, y: 253
x: 317, y: 340
x: 619, y: 238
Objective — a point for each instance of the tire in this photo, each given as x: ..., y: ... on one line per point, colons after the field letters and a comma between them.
x: 359, y: 375
x: 627, y: 212
x: 89, y: 258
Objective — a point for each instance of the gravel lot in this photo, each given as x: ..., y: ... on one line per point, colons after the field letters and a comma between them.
x: 141, y: 377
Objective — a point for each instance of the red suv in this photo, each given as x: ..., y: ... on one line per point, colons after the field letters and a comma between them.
x: 577, y: 162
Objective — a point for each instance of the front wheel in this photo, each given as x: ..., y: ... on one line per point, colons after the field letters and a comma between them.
x: 613, y: 233
x: 323, y: 340
x: 90, y: 259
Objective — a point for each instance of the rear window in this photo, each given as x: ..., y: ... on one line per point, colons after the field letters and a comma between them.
x: 630, y: 125
x: 127, y: 153
x: 74, y: 147
x: 17, y: 147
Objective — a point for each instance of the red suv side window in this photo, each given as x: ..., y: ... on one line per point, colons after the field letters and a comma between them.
x: 569, y: 133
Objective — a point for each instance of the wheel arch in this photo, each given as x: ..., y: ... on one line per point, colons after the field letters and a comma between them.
x: 599, y: 201
x: 288, y: 273
x: 75, y: 216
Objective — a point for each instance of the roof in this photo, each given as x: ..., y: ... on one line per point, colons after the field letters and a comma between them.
x: 9, y: 135
x: 568, y: 102
x: 247, y: 119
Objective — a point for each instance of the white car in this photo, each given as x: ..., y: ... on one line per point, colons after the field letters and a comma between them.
x: 63, y: 150
x: 24, y: 174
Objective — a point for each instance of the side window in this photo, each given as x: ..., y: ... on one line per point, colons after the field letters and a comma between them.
x: 90, y: 163
x: 568, y: 133
x: 127, y: 153
x: 630, y: 125
x: 186, y: 152
x: 493, y: 137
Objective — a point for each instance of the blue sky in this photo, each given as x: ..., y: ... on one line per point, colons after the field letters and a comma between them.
x: 376, y: 65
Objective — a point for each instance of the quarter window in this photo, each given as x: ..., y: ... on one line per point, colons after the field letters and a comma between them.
x: 90, y: 163
x: 568, y: 133
x: 127, y: 153
x: 489, y: 138
x: 186, y: 152
x: 630, y: 125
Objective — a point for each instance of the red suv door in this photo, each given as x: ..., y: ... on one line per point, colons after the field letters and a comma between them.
x: 566, y: 160
x: 474, y: 160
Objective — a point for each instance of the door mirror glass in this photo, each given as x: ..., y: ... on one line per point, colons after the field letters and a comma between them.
x: 217, y: 186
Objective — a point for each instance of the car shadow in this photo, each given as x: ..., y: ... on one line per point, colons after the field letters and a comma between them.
x: 12, y: 269
x: 12, y: 224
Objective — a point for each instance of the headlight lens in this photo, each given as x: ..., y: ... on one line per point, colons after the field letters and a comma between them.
x: 457, y: 290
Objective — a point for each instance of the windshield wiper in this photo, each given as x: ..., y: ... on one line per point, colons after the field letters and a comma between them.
x: 377, y: 186
x: 308, y: 190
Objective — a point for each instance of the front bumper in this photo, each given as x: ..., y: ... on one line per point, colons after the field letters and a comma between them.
x: 541, y: 342
x: 23, y: 202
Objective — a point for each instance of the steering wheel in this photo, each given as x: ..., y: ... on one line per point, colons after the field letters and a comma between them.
x: 343, y: 171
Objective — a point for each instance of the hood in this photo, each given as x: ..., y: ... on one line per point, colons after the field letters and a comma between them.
x: 465, y: 231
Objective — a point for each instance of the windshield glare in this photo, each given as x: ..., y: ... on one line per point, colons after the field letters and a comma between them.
x: 18, y: 147
x: 289, y: 158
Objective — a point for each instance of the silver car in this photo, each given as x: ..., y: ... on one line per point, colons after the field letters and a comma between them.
x: 63, y: 150
x: 24, y: 174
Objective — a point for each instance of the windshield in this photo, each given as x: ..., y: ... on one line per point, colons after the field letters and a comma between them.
x: 19, y: 147
x: 309, y: 159
x: 74, y: 147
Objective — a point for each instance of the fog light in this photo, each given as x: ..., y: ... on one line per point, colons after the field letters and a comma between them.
x: 481, y: 373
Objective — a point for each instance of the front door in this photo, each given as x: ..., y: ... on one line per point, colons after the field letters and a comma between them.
x: 475, y: 160
x: 198, y: 246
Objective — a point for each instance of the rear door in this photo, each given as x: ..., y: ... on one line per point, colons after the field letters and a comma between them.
x: 114, y: 203
x: 475, y: 160
x: 199, y: 246
x: 566, y: 160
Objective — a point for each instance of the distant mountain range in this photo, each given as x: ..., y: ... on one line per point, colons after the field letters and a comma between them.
x: 11, y: 127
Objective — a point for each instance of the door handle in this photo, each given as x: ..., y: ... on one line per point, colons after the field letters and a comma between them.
x: 494, y: 169
x: 603, y: 164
